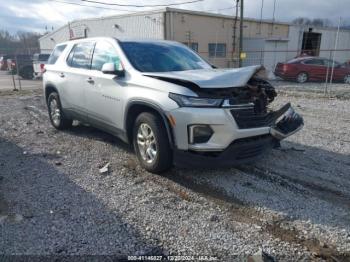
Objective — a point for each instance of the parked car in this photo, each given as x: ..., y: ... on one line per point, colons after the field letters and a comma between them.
x: 305, y: 69
x: 3, y: 62
x: 166, y: 100
x: 39, y: 61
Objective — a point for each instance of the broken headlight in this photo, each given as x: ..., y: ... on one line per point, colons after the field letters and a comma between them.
x: 191, y: 101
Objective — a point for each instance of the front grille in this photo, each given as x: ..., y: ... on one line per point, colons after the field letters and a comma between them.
x: 246, y: 116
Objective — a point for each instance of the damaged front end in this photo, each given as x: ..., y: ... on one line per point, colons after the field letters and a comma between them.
x: 249, y: 105
x: 227, y: 122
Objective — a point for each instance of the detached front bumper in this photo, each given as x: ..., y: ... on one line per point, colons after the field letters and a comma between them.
x: 236, y: 138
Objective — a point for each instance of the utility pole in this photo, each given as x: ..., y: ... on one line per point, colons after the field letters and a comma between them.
x: 234, y: 38
x: 241, y: 35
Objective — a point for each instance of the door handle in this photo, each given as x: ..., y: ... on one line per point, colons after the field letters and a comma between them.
x: 62, y: 75
x: 90, y: 80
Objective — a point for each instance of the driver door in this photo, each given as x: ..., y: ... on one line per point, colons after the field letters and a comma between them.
x: 104, y: 93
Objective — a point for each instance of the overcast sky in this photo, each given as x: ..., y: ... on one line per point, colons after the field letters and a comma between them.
x: 34, y: 15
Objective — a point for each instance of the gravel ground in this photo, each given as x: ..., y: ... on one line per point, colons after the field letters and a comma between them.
x: 293, y: 203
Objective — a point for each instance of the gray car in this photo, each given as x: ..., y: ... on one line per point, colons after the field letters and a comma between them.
x: 167, y: 101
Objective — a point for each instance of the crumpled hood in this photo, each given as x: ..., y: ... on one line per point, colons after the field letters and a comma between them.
x: 212, y: 78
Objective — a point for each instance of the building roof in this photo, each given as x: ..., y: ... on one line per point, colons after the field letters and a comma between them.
x: 162, y: 10
x: 210, y: 14
x: 183, y: 11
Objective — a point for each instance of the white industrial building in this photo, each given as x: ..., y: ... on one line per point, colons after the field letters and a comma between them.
x: 213, y: 36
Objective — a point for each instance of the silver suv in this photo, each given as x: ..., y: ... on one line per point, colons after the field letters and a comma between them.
x: 171, y: 104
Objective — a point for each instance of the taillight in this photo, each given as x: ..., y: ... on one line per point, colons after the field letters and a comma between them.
x: 42, y: 67
x: 285, y: 67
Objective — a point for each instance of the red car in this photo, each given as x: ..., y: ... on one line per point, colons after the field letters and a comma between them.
x: 305, y: 69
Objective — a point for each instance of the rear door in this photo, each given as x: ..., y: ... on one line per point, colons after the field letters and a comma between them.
x: 104, y: 93
x: 315, y: 68
x: 339, y: 71
x: 75, y: 77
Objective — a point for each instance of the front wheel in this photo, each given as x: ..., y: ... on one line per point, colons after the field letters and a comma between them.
x: 57, y: 118
x: 151, y: 143
x: 347, y: 79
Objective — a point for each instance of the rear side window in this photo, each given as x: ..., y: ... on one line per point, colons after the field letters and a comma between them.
x: 43, y: 57
x: 80, y: 56
x: 56, y: 54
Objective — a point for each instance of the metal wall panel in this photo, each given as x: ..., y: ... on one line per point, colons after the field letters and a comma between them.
x: 146, y: 25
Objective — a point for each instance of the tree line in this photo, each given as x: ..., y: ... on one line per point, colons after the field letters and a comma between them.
x: 19, y: 43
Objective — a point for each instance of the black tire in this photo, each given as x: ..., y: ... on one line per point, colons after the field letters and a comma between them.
x: 26, y: 72
x: 63, y: 122
x: 302, y: 77
x: 346, y: 79
x: 163, y: 158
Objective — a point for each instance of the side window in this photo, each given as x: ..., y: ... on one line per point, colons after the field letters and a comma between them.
x: 314, y: 62
x: 329, y: 63
x: 80, y: 56
x: 104, y: 53
x: 56, y: 54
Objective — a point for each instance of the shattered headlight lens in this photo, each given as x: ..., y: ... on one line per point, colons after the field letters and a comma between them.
x: 191, y: 101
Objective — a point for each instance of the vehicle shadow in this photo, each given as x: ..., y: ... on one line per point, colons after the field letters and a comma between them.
x: 86, y: 131
x: 43, y: 212
x: 298, y: 181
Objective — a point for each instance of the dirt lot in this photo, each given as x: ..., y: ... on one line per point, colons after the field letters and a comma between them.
x: 293, y: 203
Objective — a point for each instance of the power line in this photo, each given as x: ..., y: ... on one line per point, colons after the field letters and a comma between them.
x: 159, y: 5
x: 220, y: 9
x: 125, y: 10
x: 92, y: 6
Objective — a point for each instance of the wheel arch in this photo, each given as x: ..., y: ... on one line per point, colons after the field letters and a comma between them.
x: 135, y: 108
x: 49, y: 88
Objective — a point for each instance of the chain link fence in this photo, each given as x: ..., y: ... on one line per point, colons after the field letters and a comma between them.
x: 323, y: 71
x: 17, y: 64
x: 326, y: 71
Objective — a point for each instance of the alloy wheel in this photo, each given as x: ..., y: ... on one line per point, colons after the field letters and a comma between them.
x: 55, y: 112
x: 146, y: 143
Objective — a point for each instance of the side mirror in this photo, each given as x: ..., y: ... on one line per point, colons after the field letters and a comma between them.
x: 110, y: 68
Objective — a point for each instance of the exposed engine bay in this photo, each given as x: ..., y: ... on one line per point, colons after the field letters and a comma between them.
x: 256, y: 91
x: 247, y: 98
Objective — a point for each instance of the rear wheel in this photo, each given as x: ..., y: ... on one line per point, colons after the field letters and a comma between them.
x: 57, y: 117
x: 151, y: 143
x: 347, y: 79
x: 302, y: 77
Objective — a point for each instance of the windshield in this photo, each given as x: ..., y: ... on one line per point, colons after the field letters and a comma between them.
x: 162, y: 57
